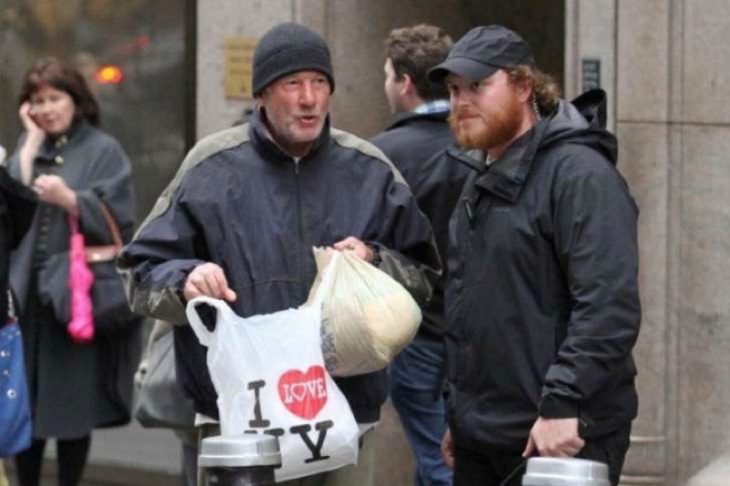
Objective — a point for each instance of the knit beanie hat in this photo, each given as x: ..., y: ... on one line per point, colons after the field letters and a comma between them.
x: 288, y: 48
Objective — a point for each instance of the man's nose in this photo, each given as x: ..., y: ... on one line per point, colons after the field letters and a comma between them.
x: 456, y: 97
x: 458, y: 101
x: 306, y: 95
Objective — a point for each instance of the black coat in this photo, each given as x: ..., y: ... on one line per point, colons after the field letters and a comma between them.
x: 543, y: 300
x: 240, y: 202
x: 17, y: 206
x: 416, y: 144
x: 74, y: 388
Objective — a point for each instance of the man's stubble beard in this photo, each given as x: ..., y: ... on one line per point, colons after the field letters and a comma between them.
x: 499, y: 126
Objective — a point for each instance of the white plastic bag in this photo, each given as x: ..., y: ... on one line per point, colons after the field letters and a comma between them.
x: 268, y: 371
x: 368, y: 317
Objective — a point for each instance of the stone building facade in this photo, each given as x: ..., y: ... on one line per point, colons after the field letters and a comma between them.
x: 664, y: 62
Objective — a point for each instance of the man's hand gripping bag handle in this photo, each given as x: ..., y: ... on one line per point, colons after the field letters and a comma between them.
x: 223, y: 309
x: 204, y: 335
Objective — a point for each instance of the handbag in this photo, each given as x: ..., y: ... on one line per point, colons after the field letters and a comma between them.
x: 111, y: 310
x: 15, y: 424
x: 161, y: 402
x: 80, y: 280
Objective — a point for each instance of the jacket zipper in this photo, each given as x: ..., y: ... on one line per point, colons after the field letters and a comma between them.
x: 300, y: 245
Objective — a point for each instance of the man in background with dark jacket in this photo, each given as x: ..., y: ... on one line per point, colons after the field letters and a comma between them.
x: 415, y: 141
x: 240, y: 218
x: 542, y: 298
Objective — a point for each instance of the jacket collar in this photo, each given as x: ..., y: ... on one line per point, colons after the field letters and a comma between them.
x: 52, y: 147
x: 261, y: 137
x: 506, y: 176
x: 405, y: 118
x: 473, y: 159
x: 581, y: 122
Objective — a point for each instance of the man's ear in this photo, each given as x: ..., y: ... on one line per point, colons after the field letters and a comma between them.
x: 408, y: 86
x: 260, y: 99
x: 524, y: 89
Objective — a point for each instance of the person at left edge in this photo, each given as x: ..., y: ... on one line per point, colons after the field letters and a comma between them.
x: 73, y: 167
x: 240, y: 218
x: 17, y: 206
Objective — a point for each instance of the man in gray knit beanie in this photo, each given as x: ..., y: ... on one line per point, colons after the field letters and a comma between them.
x: 292, y: 82
x: 240, y: 219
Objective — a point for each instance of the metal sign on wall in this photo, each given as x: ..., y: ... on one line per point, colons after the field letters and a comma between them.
x: 238, y: 59
x: 591, y: 74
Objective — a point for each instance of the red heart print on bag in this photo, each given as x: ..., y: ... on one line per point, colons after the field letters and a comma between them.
x: 304, y: 394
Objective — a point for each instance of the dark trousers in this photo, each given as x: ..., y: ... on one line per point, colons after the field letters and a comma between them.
x: 495, y: 467
x: 72, y: 455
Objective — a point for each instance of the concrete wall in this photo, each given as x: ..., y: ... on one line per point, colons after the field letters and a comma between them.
x: 664, y: 63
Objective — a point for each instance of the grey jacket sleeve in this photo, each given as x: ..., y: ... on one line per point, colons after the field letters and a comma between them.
x: 168, y: 246
x: 407, y: 251
x: 155, y: 265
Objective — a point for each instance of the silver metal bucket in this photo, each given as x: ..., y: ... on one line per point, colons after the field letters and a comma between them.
x: 245, y: 460
x: 556, y: 471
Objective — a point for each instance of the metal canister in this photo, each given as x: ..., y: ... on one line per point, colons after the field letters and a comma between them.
x: 558, y: 471
x: 244, y: 460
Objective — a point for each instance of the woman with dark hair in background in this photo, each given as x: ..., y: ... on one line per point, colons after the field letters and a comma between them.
x: 75, y: 168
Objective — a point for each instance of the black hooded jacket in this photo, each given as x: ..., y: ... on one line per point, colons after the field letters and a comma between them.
x: 542, y: 301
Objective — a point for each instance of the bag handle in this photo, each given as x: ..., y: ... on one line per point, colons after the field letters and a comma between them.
x: 328, y: 278
x: 106, y: 253
x: 191, y: 311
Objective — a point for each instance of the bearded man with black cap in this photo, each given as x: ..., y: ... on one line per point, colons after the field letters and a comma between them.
x: 240, y: 218
x: 542, y: 301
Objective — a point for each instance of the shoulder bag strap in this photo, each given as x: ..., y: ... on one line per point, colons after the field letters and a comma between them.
x: 105, y: 253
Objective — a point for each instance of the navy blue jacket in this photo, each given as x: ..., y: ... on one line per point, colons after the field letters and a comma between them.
x: 240, y: 202
x: 416, y: 143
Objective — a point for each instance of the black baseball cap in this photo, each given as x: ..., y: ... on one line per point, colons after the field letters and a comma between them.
x: 482, y: 52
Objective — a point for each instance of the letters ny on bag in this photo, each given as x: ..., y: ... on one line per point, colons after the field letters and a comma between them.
x: 304, y: 394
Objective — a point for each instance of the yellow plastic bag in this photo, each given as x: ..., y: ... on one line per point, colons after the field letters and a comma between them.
x: 367, y: 317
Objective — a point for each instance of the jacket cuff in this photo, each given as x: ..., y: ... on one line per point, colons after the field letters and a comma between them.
x: 555, y: 406
x: 375, y: 248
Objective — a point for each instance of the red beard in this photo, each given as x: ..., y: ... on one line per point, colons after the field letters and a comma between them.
x: 495, y: 128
